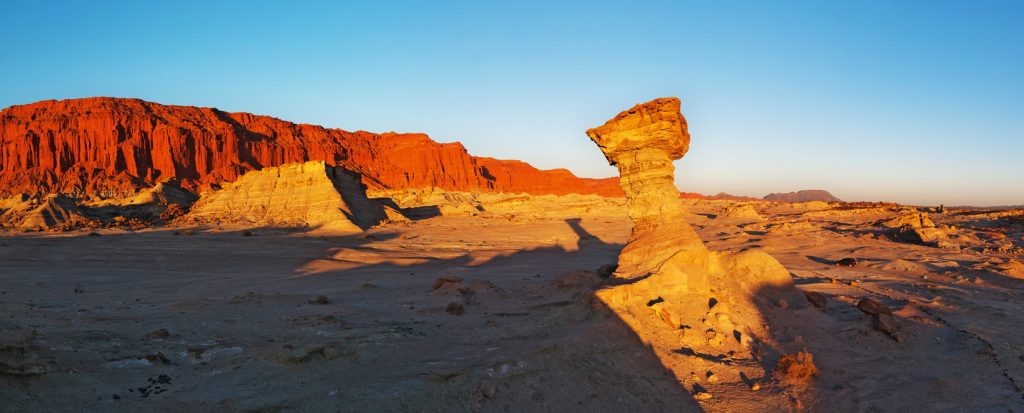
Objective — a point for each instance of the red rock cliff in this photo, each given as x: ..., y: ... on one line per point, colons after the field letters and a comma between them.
x: 111, y: 146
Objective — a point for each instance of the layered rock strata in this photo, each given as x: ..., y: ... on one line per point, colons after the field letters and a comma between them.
x: 668, y: 283
x: 307, y: 195
x: 113, y: 147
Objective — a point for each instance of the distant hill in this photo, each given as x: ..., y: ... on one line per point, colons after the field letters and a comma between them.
x: 807, y: 195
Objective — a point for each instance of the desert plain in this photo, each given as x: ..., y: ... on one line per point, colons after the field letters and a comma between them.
x: 301, y: 286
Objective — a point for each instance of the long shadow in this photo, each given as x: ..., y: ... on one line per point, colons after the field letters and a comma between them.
x: 566, y: 349
x: 555, y: 324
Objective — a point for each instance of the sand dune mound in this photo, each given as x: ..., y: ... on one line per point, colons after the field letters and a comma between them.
x: 310, y: 194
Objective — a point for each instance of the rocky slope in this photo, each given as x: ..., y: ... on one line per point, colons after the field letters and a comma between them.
x: 115, y: 147
x: 806, y: 195
x: 311, y: 194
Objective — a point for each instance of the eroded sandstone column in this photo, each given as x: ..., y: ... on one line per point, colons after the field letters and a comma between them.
x: 642, y: 142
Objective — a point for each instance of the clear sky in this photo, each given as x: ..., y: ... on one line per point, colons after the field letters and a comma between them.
x: 911, y: 101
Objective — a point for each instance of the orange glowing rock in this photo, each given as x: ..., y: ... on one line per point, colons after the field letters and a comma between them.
x: 115, y: 147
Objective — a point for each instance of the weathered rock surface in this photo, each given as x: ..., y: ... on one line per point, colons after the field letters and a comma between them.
x: 115, y: 147
x: 742, y: 211
x: 669, y: 287
x: 50, y: 212
x: 310, y: 194
x: 642, y: 142
x: 806, y: 195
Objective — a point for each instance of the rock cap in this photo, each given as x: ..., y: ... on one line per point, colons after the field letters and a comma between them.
x: 657, y: 124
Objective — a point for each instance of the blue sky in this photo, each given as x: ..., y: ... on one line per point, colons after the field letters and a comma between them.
x: 912, y: 101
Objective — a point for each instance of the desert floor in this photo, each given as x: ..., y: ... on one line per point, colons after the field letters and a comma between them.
x: 214, y: 319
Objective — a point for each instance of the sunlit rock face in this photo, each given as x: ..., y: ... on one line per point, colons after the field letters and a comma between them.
x: 114, y: 147
x: 311, y: 194
x: 642, y: 142
x: 672, y: 290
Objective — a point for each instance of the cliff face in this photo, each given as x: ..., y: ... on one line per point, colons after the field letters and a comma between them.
x: 113, y: 146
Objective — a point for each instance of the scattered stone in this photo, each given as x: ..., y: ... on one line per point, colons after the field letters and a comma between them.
x: 247, y: 233
x: 441, y: 281
x: 658, y: 300
x: 702, y: 395
x: 755, y: 386
x: 872, y: 306
x: 78, y: 289
x: 488, y: 389
x: 94, y: 234
x: 847, y: 262
x: 320, y: 299
x: 156, y: 385
x: 783, y: 304
x: 160, y: 333
x: 455, y: 309
x: 886, y: 323
x: 817, y: 299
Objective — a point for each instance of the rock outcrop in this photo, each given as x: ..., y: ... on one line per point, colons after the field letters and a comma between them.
x: 642, y: 143
x: 669, y: 287
x: 806, y: 195
x: 306, y: 195
x: 741, y: 211
x: 114, y: 147
x: 47, y: 213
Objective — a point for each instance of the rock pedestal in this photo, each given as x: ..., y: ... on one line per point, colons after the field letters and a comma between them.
x: 642, y: 142
x: 671, y: 289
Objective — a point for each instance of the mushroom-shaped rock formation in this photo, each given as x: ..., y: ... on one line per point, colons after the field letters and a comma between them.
x: 668, y: 283
x: 642, y: 142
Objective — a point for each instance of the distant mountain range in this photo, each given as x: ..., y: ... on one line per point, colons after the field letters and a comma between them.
x: 807, y: 195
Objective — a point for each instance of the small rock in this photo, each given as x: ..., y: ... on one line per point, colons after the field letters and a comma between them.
x: 441, y: 281
x: 886, y: 323
x: 783, y: 304
x: 455, y: 309
x: 320, y: 300
x: 872, y: 306
x: 161, y: 333
x: 658, y: 300
x: 755, y: 386
x: 488, y: 389
x: 247, y: 234
x: 847, y: 262
x: 712, y: 378
x: 816, y: 298
x: 702, y: 395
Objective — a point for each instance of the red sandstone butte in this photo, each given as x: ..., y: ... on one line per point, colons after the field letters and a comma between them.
x: 113, y: 146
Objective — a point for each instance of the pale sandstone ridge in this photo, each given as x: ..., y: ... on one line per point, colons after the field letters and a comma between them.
x: 311, y: 194
x: 50, y: 212
x: 675, y: 291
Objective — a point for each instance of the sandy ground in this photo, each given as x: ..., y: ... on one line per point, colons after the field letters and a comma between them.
x: 160, y: 320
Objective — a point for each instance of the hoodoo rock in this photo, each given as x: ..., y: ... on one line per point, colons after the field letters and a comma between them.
x: 669, y: 284
x: 113, y: 147
x: 310, y: 194
x: 642, y: 142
